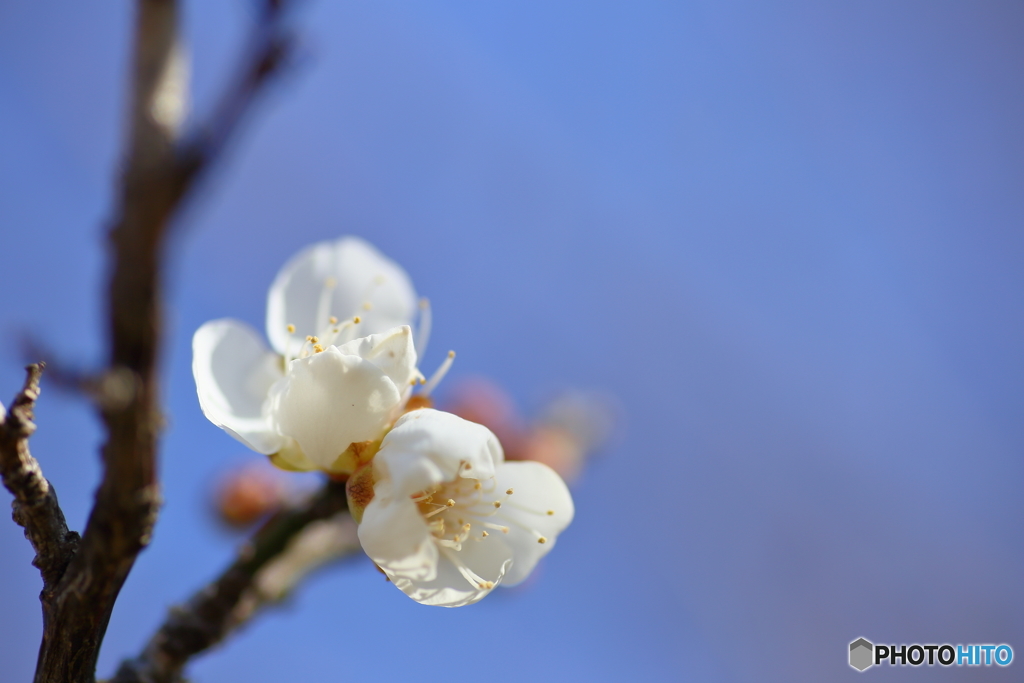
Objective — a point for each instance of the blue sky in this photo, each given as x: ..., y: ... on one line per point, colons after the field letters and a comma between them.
x: 787, y: 237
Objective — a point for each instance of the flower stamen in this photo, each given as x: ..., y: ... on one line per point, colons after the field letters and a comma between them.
x: 333, y: 331
x: 323, y: 307
x: 467, y: 573
x: 303, y: 350
x: 423, y: 327
x: 461, y: 516
x: 439, y: 374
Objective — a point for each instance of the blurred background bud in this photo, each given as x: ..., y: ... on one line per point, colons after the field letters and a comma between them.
x: 481, y: 400
x: 249, y: 492
x: 571, y: 427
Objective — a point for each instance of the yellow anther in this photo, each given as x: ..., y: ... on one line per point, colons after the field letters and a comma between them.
x: 477, y: 486
x: 357, y: 320
x: 508, y: 492
x: 465, y: 527
x: 551, y: 513
x: 451, y: 354
x: 333, y: 320
x: 484, y: 534
x: 497, y: 503
x: 291, y: 329
x: 542, y: 540
x: 468, y: 466
x: 450, y: 503
x: 504, y: 529
x: 317, y: 348
x: 309, y: 338
x: 315, y: 340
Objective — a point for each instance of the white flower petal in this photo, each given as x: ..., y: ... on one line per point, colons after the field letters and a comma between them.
x: 233, y: 372
x: 394, y: 535
x: 302, y: 292
x: 391, y: 351
x: 428, y: 447
x: 330, y: 400
x: 538, y: 490
x: 489, y: 521
x: 463, y: 576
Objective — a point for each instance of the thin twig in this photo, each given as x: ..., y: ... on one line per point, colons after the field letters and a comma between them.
x: 35, y: 500
x: 161, y: 167
x: 219, y: 608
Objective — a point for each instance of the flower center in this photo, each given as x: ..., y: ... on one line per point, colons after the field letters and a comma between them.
x: 337, y: 333
x: 468, y: 510
x: 331, y: 330
x: 464, y: 509
x: 459, y: 512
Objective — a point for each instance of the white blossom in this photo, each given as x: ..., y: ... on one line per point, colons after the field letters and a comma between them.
x: 322, y: 392
x: 446, y: 518
x: 342, y: 279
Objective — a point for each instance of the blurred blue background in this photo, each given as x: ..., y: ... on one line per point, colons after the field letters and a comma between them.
x: 786, y: 236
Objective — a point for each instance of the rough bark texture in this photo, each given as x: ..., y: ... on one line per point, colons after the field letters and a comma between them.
x: 82, y: 579
x: 35, y: 505
x: 128, y: 497
x: 219, y: 608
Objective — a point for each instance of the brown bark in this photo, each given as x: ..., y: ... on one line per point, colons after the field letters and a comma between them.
x: 35, y: 505
x: 82, y: 579
x: 229, y: 601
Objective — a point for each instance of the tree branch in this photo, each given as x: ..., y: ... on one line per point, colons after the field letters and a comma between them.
x: 126, y: 504
x: 159, y: 172
x: 230, y: 600
x: 35, y: 500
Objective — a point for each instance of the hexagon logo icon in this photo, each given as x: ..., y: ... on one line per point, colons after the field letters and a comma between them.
x: 861, y: 654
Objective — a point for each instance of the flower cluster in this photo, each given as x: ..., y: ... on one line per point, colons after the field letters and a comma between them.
x: 440, y: 511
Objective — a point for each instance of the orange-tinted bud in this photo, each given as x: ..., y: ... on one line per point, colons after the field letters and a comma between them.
x: 248, y: 493
x: 484, y: 402
x: 556, y: 448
